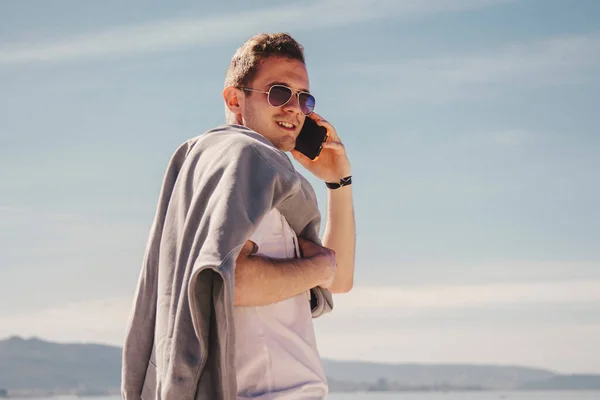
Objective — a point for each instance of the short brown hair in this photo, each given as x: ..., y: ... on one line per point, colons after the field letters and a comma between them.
x: 247, y: 59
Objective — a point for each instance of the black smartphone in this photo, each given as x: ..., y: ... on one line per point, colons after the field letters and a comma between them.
x: 310, y: 140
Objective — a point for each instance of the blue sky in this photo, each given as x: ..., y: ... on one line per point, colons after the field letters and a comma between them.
x: 472, y: 128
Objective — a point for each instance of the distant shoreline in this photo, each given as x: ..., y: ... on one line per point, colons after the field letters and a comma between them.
x: 37, y: 368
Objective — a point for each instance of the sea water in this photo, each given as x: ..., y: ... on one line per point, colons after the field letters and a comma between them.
x: 483, y: 395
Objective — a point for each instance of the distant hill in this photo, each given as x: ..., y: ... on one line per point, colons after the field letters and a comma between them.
x: 43, y: 366
x: 418, y: 375
x: 36, y: 366
x: 565, y: 382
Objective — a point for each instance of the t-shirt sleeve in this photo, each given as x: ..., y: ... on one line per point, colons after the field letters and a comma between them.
x: 259, y: 234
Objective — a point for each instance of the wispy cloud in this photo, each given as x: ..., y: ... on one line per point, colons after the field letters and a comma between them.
x: 395, y: 324
x: 560, y: 347
x: 559, y: 60
x: 385, y: 298
x: 101, y: 321
x: 41, y: 249
x: 167, y: 34
x: 104, y: 320
x: 49, y: 232
x: 518, y: 324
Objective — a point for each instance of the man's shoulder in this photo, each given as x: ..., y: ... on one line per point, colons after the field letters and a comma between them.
x: 233, y: 138
x: 226, y: 146
x: 229, y: 134
x: 240, y: 144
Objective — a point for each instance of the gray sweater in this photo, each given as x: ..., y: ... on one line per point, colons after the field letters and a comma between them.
x: 217, y: 188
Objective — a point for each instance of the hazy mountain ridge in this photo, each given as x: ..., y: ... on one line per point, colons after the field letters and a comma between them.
x: 456, y: 375
x: 34, y: 365
x: 566, y: 382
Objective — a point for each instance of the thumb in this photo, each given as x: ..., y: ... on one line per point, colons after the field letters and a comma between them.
x: 301, y: 158
x: 304, y: 242
x: 302, y: 246
x: 306, y: 246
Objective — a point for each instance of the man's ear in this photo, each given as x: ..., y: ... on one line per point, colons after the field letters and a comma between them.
x: 232, y: 99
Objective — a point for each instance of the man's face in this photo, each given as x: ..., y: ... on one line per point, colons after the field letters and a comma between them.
x: 258, y: 115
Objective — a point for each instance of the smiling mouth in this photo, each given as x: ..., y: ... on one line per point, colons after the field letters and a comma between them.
x: 286, y: 125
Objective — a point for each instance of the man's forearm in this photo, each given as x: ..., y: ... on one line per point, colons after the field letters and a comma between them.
x: 262, y: 280
x: 340, y: 236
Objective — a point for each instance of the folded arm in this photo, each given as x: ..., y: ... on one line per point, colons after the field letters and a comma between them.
x: 261, y: 280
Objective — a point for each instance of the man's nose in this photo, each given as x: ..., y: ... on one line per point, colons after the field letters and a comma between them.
x: 293, y: 105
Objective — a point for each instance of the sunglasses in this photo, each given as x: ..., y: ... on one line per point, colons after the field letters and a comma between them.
x: 280, y: 95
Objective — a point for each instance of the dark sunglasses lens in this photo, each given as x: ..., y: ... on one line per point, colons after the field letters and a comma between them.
x: 307, y: 103
x: 279, y: 95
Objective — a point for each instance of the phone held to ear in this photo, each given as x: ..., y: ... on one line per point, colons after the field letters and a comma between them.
x: 310, y: 140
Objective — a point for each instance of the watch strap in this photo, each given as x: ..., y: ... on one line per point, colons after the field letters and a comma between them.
x: 343, y: 182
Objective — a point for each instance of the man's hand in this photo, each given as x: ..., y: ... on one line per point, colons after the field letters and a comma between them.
x: 261, y: 280
x: 332, y: 164
x: 340, y: 231
x: 323, y: 260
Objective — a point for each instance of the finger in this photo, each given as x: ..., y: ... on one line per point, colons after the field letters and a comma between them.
x: 331, y: 132
x: 337, y: 147
x: 301, y: 158
x: 301, y: 240
x: 307, y: 248
x: 314, y: 116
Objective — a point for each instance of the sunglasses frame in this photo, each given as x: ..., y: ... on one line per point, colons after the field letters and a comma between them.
x: 292, y: 91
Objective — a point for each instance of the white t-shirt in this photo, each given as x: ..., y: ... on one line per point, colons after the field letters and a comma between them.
x: 276, y: 351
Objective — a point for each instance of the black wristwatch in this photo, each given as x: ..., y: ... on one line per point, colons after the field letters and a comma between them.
x: 343, y: 182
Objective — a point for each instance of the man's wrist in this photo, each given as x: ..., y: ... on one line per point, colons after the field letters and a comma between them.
x: 345, y: 181
x: 312, y: 272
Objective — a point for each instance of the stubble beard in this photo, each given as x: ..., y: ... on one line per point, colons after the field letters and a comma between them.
x: 286, y: 143
x: 281, y: 142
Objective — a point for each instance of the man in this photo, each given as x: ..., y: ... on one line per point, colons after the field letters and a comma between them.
x: 234, y: 270
x: 275, y: 344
